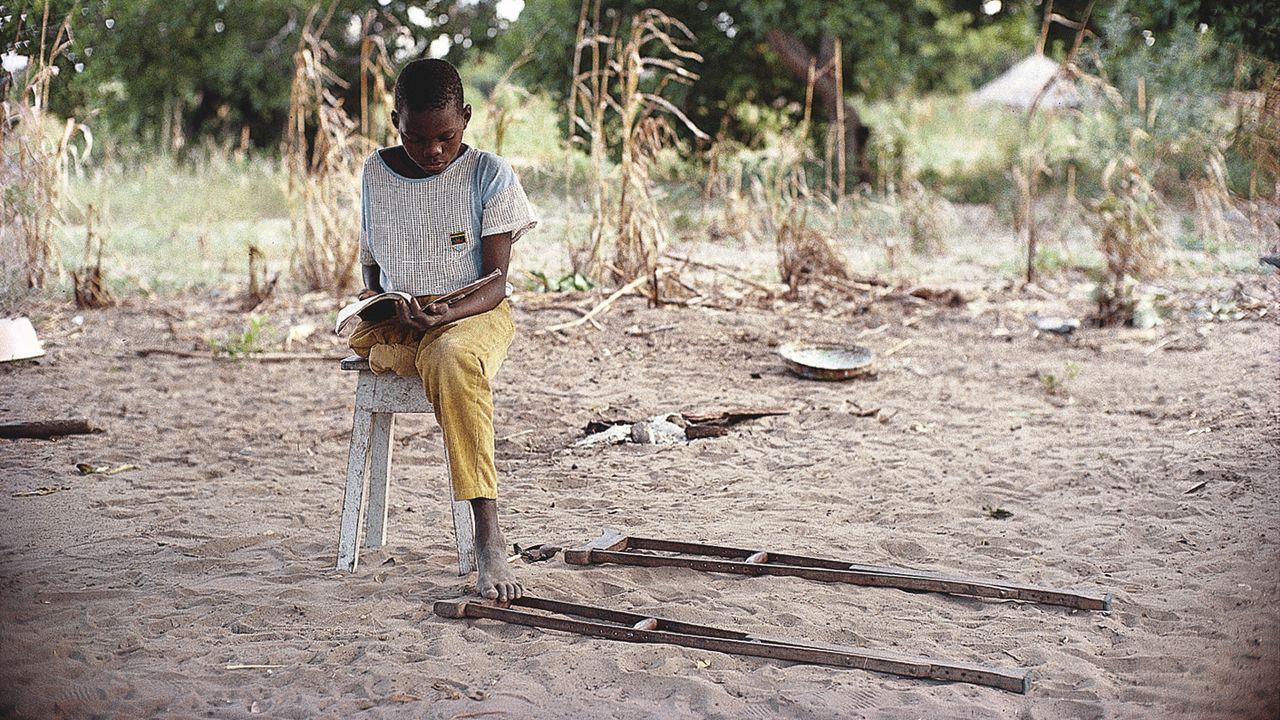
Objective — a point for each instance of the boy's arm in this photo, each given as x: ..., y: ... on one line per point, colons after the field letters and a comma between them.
x: 495, y: 254
x: 372, y: 275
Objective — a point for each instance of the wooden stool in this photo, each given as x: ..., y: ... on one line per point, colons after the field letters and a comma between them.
x: 378, y: 399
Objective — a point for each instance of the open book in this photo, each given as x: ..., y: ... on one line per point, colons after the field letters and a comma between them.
x: 364, y: 309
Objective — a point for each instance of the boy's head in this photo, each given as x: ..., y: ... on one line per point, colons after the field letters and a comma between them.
x: 428, y: 84
x: 430, y: 113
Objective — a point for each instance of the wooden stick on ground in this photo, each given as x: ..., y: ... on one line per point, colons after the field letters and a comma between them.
x: 604, y: 305
x: 895, y: 349
x: 256, y: 356
x: 47, y: 429
x: 723, y: 271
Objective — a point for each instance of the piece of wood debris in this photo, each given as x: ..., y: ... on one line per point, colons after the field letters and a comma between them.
x: 699, y: 432
x: 604, y: 305
x: 860, y: 411
x: 732, y: 416
x: 637, y: 331
x: 47, y: 429
x: 256, y: 356
x: 1161, y: 345
x: 896, y: 348
x: 40, y: 491
x: 723, y: 271
x: 88, y: 469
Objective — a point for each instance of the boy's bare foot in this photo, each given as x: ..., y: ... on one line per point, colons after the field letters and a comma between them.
x: 496, y: 580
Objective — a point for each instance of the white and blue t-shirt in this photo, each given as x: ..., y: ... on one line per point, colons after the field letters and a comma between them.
x: 424, y: 233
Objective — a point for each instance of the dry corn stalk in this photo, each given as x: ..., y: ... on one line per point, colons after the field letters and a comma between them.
x: 376, y: 99
x: 589, y: 104
x: 323, y: 173
x: 89, y: 288
x: 1028, y: 178
x: 35, y: 150
x: 654, y: 50
x: 1212, y: 201
x: 640, y: 231
x: 1132, y: 240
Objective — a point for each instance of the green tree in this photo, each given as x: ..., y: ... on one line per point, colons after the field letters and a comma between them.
x: 160, y: 68
x: 1249, y: 25
x: 760, y: 50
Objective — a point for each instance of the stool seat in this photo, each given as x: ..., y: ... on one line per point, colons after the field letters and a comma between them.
x: 378, y: 399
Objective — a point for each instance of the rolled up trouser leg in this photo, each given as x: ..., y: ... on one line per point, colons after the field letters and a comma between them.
x: 388, y: 346
x: 456, y: 364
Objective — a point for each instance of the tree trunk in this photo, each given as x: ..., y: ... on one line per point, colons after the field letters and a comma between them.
x: 796, y: 58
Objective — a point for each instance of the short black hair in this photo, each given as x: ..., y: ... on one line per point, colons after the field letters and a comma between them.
x: 428, y: 84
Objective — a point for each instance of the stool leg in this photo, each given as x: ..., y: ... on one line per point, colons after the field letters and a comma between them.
x: 353, y: 499
x: 375, y: 534
x: 464, y: 527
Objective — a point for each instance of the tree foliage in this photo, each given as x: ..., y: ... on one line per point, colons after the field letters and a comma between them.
x: 1249, y: 25
x: 220, y: 65
x: 889, y: 46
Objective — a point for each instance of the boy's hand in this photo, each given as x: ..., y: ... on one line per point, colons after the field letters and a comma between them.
x: 367, y: 293
x: 419, y: 318
x: 436, y: 313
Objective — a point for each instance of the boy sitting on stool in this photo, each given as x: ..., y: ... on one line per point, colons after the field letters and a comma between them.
x: 438, y: 215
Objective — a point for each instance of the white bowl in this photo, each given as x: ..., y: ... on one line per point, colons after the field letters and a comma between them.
x: 18, y: 340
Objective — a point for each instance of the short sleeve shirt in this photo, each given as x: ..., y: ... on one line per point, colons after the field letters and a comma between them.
x: 425, y: 233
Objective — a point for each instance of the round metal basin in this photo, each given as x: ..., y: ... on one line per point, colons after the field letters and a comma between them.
x: 827, y: 362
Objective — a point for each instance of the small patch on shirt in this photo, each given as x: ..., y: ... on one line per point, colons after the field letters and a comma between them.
x: 458, y: 240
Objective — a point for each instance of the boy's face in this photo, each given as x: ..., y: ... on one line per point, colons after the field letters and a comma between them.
x: 432, y: 138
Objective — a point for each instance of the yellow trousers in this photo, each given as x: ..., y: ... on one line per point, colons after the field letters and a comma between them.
x: 456, y: 363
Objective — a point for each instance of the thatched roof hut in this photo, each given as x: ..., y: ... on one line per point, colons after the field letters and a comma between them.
x: 1020, y: 84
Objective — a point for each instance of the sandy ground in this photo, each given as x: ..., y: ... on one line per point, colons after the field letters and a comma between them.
x: 1153, y: 473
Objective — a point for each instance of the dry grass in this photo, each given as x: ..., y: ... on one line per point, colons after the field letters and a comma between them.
x: 89, y: 283
x: 804, y: 253
x: 36, y: 149
x: 589, y: 104
x: 767, y: 193
x: 260, y: 288
x: 928, y: 219
x: 505, y: 95
x: 1032, y: 163
x: 1132, y: 241
x: 1212, y: 201
x: 1257, y: 136
x: 785, y: 206
x: 323, y: 151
